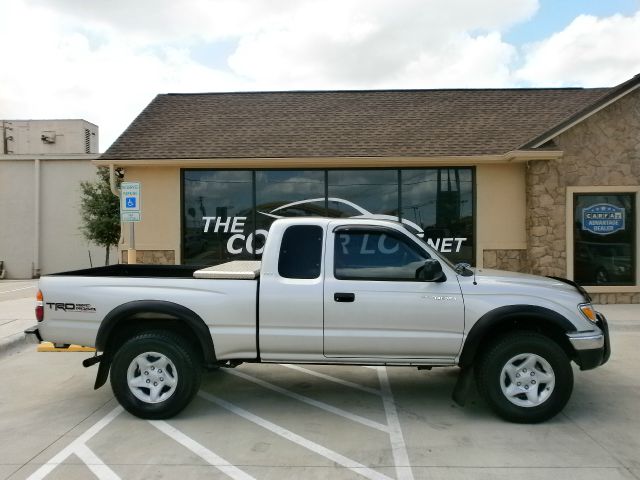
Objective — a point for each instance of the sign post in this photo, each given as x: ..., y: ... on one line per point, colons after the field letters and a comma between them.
x: 130, y: 211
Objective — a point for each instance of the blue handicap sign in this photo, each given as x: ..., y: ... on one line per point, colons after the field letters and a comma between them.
x: 603, y: 219
x: 130, y: 202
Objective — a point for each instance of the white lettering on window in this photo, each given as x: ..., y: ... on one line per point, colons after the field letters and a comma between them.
x: 230, y: 248
x: 224, y: 224
x: 208, y: 222
x: 387, y: 251
x: 363, y: 247
x: 238, y: 224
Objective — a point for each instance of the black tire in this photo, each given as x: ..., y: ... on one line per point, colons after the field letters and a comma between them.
x: 489, y: 375
x: 187, y: 374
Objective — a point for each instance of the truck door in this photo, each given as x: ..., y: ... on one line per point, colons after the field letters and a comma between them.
x: 290, y: 327
x: 374, y: 305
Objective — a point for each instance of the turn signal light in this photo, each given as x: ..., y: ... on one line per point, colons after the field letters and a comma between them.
x: 588, y: 311
x: 39, y: 307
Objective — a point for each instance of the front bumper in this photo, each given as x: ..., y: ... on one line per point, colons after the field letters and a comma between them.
x: 32, y: 335
x: 592, y: 350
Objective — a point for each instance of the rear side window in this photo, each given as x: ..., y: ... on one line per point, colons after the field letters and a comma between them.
x: 301, y: 252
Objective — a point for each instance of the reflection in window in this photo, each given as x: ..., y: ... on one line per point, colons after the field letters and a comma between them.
x: 440, y: 202
x: 375, y: 256
x: 291, y: 193
x: 363, y: 192
x: 218, y: 216
x: 219, y: 210
x: 604, y: 239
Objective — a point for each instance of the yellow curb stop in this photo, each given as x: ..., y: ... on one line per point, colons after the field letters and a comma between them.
x: 50, y: 347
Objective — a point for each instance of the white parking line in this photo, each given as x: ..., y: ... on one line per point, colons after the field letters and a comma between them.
x: 97, y: 466
x: 310, y: 401
x: 77, y: 444
x: 202, y: 451
x: 295, y: 438
x: 398, y: 447
x: 346, y: 383
x: 17, y: 289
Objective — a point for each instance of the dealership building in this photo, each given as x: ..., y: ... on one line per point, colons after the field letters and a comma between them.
x: 544, y: 181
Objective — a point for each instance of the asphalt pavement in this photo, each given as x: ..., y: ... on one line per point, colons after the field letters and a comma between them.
x: 310, y: 422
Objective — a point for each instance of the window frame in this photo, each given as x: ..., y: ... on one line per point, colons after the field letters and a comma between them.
x: 569, y: 224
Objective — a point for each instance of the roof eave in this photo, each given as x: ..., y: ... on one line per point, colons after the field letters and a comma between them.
x: 514, y: 156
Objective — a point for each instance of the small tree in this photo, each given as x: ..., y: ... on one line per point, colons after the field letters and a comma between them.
x: 100, y: 212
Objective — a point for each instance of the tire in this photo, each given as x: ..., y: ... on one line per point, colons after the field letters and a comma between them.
x: 165, y: 362
x: 540, y: 367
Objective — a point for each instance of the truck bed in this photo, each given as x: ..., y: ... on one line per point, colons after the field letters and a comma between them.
x: 236, y: 270
x: 145, y: 271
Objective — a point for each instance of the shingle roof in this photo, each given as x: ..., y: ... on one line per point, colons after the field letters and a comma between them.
x: 403, y: 123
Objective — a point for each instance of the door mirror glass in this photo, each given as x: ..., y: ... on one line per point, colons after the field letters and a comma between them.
x: 431, y: 271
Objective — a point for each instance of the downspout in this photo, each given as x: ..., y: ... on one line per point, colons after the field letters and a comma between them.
x: 131, y: 251
x: 112, y: 180
x: 35, y: 271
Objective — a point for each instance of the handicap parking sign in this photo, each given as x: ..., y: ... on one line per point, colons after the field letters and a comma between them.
x: 130, y: 201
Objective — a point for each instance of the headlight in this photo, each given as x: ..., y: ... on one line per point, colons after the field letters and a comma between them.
x: 588, y: 311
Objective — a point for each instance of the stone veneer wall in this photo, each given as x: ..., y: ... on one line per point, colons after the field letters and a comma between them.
x: 603, y: 150
x: 153, y: 257
x: 512, y: 260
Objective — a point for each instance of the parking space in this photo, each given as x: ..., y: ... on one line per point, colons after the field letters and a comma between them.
x: 318, y: 422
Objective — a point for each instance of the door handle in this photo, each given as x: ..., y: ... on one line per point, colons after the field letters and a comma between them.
x: 344, y: 297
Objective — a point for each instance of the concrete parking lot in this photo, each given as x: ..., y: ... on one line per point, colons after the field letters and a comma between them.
x: 279, y: 421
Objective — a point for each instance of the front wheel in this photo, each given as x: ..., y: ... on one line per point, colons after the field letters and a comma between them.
x: 525, y: 378
x: 155, y: 375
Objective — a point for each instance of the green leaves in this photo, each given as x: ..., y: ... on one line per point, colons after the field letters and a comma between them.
x: 100, y: 211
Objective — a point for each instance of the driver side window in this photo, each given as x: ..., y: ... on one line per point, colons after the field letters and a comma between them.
x: 376, y: 256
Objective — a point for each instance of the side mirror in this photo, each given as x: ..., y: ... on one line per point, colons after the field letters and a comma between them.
x: 431, y: 271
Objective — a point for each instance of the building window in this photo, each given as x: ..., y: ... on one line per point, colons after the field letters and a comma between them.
x: 354, y: 193
x: 227, y: 214
x: 440, y: 202
x: 217, y: 216
x: 604, y: 236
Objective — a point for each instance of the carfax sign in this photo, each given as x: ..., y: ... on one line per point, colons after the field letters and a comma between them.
x: 603, y: 219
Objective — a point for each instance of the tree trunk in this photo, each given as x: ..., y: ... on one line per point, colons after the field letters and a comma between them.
x: 106, y: 260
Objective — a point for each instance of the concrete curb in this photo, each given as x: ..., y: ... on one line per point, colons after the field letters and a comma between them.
x: 12, y: 344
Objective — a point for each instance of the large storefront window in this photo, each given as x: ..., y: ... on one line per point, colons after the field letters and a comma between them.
x: 227, y: 214
x: 218, y: 216
x: 440, y: 202
x: 604, y: 238
x: 288, y: 193
x: 354, y: 193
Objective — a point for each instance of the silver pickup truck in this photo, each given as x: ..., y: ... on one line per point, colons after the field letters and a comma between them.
x: 327, y: 291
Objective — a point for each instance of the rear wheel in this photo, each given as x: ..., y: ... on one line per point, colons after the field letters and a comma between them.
x: 525, y: 377
x: 155, y: 375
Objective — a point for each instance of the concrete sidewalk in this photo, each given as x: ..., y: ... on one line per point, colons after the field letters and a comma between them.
x: 17, y: 303
x: 17, y: 314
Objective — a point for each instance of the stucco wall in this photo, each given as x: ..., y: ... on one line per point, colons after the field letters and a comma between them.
x: 501, y: 238
x: 61, y: 246
x: 159, y: 229
x: 603, y: 150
